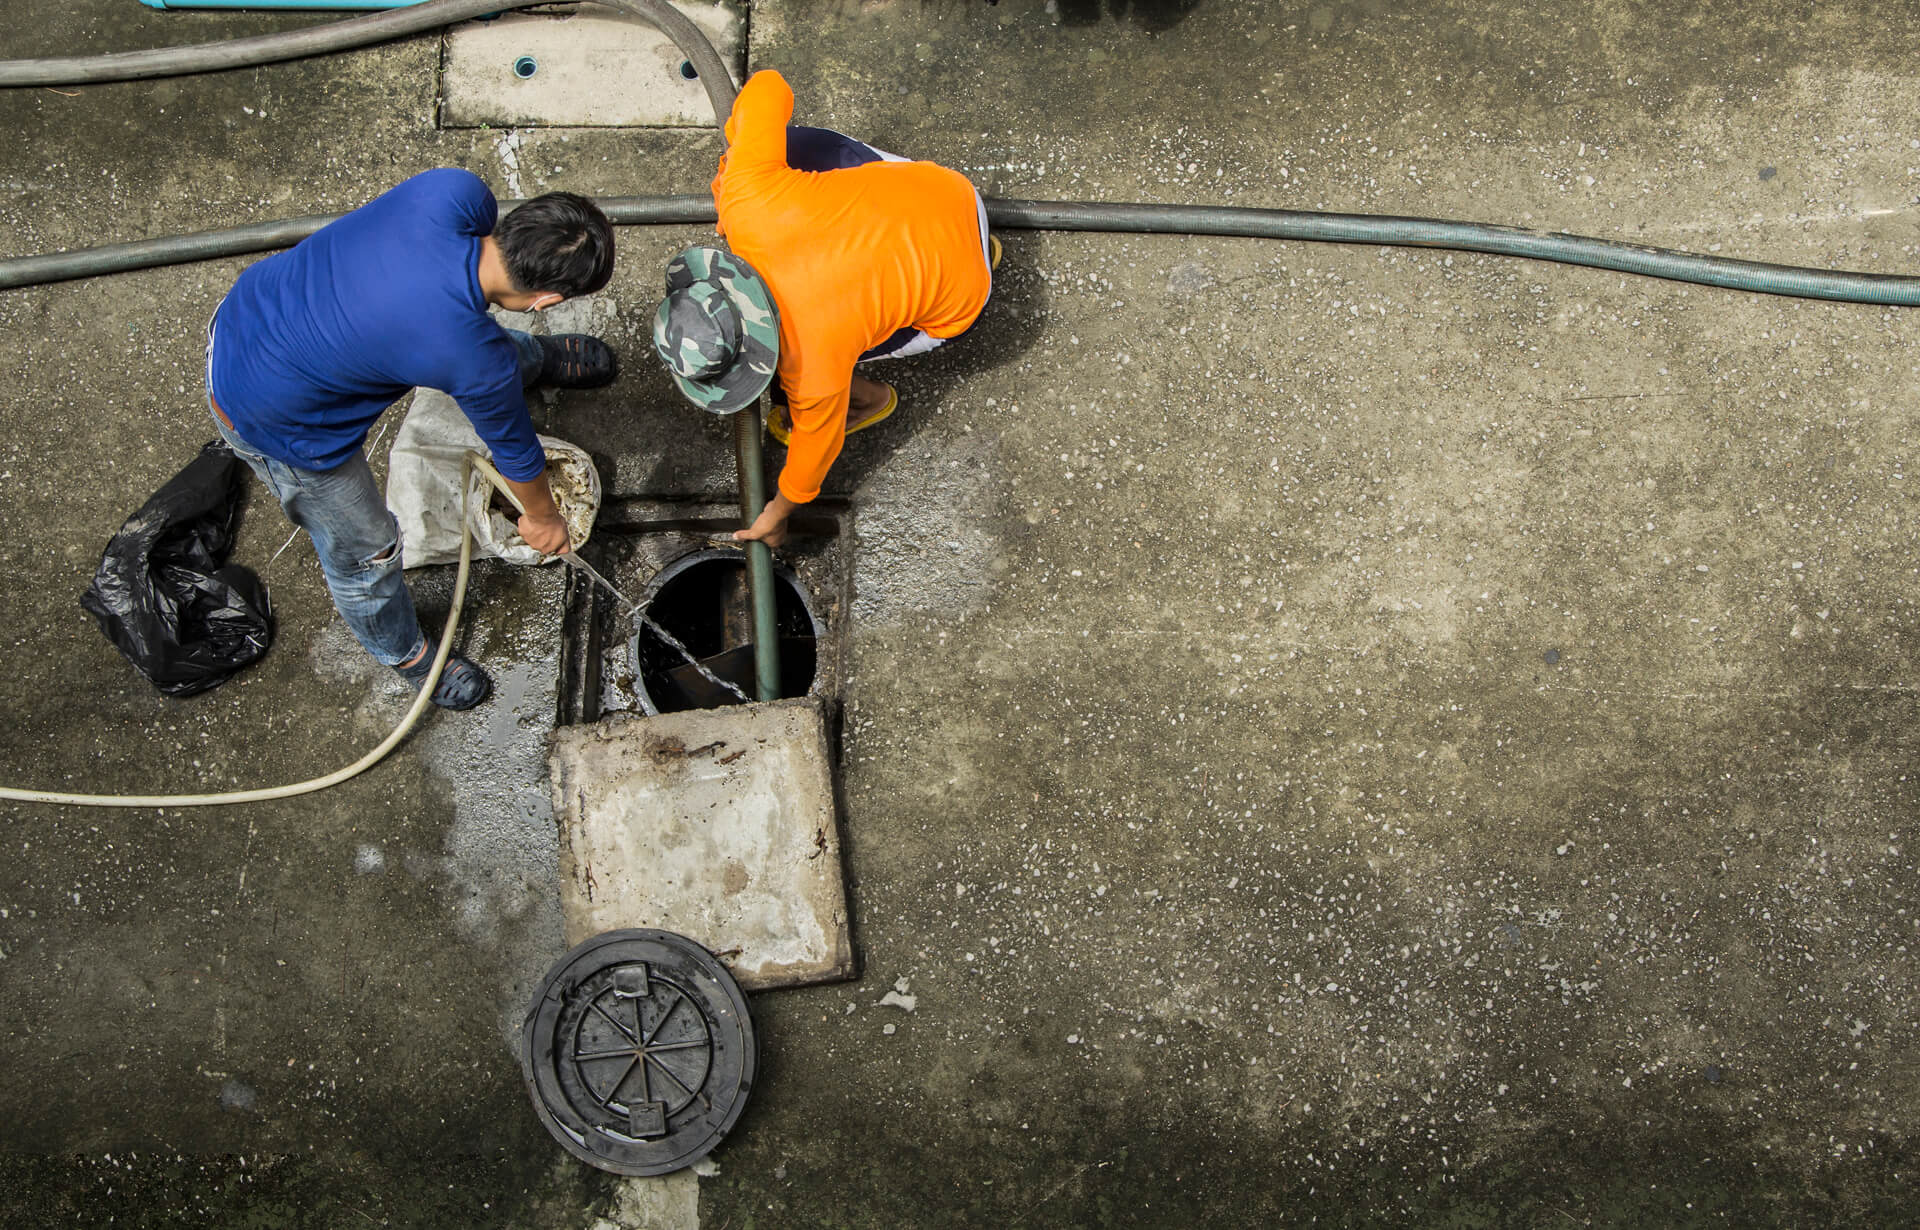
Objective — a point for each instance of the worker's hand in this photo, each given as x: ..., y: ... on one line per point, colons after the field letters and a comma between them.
x: 547, y: 535
x: 769, y: 527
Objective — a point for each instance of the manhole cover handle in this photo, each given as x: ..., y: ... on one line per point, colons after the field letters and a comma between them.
x: 630, y: 981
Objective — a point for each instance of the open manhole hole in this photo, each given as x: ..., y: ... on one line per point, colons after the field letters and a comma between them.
x: 639, y: 1052
x: 701, y: 599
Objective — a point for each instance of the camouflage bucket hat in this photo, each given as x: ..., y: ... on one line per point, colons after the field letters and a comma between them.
x: 717, y: 331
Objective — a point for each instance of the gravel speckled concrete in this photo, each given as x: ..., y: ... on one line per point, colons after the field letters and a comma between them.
x: 1331, y: 734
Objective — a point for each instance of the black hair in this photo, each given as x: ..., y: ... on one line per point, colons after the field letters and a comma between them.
x: 558, y: 242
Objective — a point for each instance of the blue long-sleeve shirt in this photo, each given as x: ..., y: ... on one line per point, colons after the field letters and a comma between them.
x: 313, y: 343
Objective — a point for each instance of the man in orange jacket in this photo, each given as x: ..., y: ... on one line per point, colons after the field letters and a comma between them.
x: 862, y: 255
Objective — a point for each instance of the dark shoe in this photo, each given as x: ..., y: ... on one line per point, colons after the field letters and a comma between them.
x: 576, y: 361
x: 462, y: 684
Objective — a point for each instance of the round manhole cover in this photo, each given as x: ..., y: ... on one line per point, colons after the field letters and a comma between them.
x: 638, y: 1052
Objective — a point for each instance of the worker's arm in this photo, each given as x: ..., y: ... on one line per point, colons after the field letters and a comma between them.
x: 542, y: 525
x: 757, y: 127
x: 819, y: 431
x: 485, y: 379
x: 770, y: 526
x: 756, y: 144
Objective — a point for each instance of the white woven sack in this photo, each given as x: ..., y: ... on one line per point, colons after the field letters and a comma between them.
x: 576, y: 491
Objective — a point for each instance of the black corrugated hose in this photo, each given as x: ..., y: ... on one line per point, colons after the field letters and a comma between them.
x: 1839, y: 285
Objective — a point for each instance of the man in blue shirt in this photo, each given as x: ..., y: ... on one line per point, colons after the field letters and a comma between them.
x: 312, y: 344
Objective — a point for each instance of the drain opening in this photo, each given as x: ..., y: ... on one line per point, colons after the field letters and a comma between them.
x: 702, y: 600
x: 525, y: 67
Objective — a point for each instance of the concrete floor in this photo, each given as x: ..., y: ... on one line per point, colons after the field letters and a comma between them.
x: 1333, y: 734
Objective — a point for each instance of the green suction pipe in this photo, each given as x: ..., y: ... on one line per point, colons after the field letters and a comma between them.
x: 1837, y: 285
x: 753, y: 498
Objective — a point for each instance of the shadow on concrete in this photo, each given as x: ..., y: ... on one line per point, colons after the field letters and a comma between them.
x: 1008, y: 328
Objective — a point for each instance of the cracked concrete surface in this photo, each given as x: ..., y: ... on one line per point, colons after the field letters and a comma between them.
x: 1402, y: 737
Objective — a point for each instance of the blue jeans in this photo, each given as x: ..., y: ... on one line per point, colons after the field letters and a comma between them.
x: 357, y: 539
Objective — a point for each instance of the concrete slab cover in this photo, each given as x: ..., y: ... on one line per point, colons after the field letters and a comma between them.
x: 717, y: 824
x: 588, y: 69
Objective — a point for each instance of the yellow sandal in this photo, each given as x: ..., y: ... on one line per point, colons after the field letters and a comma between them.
x: 777, y: 418
x: 893, y: 403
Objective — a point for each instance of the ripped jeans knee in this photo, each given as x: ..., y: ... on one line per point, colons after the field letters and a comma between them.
x: 360, y: 549
x: 373, y: 599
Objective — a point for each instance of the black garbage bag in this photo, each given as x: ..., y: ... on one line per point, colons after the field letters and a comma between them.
x: 164, y: 594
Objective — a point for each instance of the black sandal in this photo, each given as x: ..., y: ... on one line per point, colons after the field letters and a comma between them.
x: 576, y: 361
x: 462, y: 684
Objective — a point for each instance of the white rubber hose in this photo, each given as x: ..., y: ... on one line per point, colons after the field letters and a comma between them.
x: 420, y: 703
